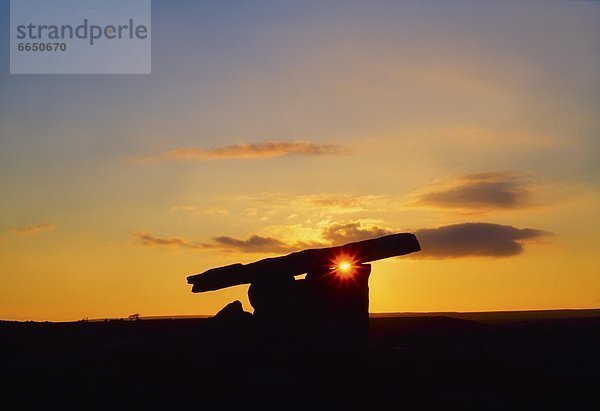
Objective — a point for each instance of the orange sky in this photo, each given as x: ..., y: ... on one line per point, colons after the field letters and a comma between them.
x: 303, y: 124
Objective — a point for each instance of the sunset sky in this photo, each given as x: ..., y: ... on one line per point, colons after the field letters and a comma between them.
x: 269, y: 126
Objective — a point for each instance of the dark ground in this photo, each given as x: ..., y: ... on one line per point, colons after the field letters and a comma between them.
x: 519, y: 360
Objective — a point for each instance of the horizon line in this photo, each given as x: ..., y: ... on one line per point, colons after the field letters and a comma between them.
x: 384, y: 314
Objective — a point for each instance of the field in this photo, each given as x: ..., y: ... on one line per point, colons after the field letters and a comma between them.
x: 510, y: 360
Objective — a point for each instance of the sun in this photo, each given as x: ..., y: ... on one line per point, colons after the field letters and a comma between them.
x: 344, y: 269
x: 343, y: 266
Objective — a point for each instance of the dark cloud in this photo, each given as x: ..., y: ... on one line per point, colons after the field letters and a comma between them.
x: 253, y: 244
x: 483, y: 190
x: 346, y: 233
x: 451, y: 241
x: 333, y: 235
x: 474, y: 239
x: 149, y: 240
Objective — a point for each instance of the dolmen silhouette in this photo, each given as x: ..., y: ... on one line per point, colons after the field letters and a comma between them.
x: 329, y: 308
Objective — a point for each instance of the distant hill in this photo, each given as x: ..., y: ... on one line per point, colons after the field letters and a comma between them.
x: 500, y: 316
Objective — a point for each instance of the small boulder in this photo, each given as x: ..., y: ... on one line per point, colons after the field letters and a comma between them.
x: 232, y: 312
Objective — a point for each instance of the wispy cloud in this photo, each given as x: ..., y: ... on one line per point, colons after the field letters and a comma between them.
x: 197, y: 210
x: 334, y: 204
x: 320, y: 206
x: 31, y: 229
x: 494, y: 190
x: 150, y: 240
x: 264, y: 150
x: 253, y: 244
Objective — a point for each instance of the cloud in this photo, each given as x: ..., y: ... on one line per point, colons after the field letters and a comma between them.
x: 149, y: 240
x: 197, y: 210
x: 31, y: 229
x: 268, y: 149
x: 332, y: 235
x: 346, y: 233
x: 253, y: 244
x: 451, y: 241
x: 474, y: 239
x: 251, y: 212
x: 446, y: 242
x: 495, y: 190
x: 273, y: 206
x: 341, y: 201
x: 343, y: 204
